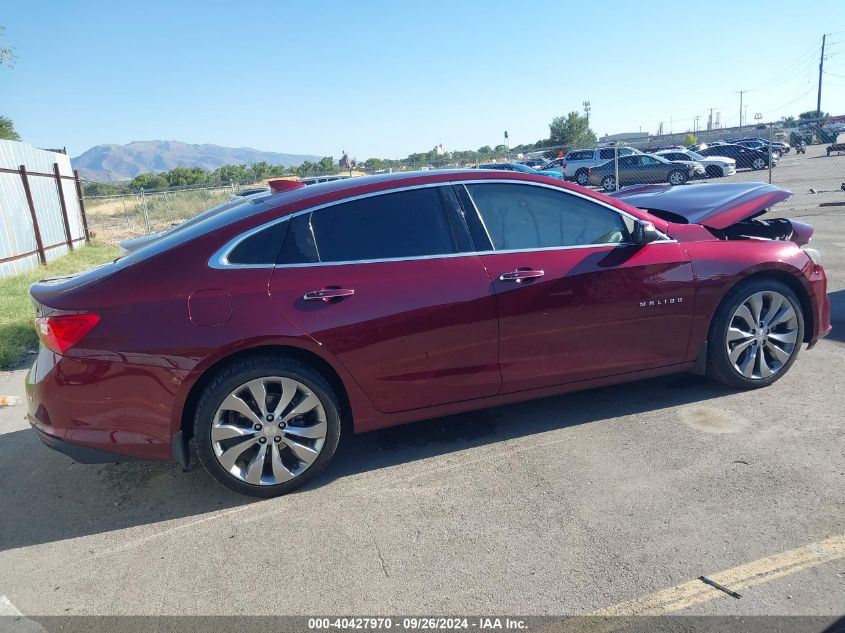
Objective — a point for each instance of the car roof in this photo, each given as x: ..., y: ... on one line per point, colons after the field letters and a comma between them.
x: 327, y: 192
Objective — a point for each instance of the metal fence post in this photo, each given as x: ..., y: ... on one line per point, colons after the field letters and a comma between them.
x: 81, y: 200
x: 28, y: 192
x: 770, y: 153
x: 63, y: 205
x: 144, y: 210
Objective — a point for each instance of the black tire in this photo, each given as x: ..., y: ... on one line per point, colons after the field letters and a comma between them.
x: 758, y: 163
x: 608, y: 183
x: 679, y: 175
x: 719, y: 366
x: 235, y: 375
x: 713, y: 171
x: 582, y: 177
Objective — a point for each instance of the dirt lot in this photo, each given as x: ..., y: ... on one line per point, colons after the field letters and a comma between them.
x: 581, y: 503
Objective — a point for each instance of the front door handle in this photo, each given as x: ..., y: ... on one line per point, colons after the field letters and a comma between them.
x: 328, y: 294
x: 519, y: 276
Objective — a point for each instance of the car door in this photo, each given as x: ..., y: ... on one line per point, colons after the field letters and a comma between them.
x: 652, y: 170
x: 630, y: 169
x: 577, y: 300
x: 390, y: 286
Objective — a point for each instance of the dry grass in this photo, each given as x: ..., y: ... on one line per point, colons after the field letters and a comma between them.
x: 113, y: 220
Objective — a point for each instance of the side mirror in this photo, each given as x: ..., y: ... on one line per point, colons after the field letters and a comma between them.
x: 645, y: 233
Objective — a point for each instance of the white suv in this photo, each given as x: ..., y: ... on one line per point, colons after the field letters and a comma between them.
x: 577, y: 163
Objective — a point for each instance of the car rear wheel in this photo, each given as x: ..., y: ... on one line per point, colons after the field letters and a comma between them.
x: 266, y: 425
x: 677, y: 177
x: 758, y: 163
x: 582, y: 177
x: 755, y: 335
x: 608, y: 183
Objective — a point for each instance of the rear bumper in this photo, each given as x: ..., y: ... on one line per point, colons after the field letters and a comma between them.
x: 96, y: 410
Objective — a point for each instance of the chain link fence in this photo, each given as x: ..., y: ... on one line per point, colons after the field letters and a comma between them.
x: 809, y: 160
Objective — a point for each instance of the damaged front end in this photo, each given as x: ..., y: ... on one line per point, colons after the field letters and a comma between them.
x: 730, y: 211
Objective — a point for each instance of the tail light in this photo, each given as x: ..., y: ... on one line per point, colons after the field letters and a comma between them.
x: 61, y: 332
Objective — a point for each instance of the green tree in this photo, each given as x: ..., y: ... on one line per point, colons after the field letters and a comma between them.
x: 260, y: 170
x: 690, y: 139
x: 486, y: 149
x: 7, y: 130
x: 789, y: 121
x: 149, y: 181
x: 813, y: 115
x: 571, y: 131
x: 327, y: 165
x: 500, y: 149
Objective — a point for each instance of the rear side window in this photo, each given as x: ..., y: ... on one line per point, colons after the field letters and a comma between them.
x: 399, y: 225
x: 606, y: 154
x: 525, y: 217
x: 261, y: 248
x: 299, y: 246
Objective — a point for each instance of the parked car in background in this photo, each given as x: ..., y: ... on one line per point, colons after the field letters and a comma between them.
x: 837, y: 148
x: 780, y: 146
x: 745, y: 157
x: 576, y: 164
x: 641, y: 169
x: 521, y: 168
x: 263, y: 334
x: 714, y: 166
x: 763, y: 147
x: 536, y: 163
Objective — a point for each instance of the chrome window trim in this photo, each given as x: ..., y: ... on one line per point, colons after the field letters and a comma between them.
x: 219, y: 260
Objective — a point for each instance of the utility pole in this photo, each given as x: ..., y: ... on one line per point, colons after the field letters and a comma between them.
x: 821, y: 68
x: 660, y: 129
x: 695, y: 126
x: 710, y: 120
x: 587, y: 108
x: 741, y: 92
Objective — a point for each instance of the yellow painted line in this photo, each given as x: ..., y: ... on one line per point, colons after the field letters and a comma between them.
x: 696, y: 592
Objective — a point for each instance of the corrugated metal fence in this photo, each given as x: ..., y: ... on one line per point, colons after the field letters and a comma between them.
x: 42, y: 214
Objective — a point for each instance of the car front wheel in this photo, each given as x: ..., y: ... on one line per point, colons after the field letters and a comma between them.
x: 266, y: 425
x: 755, y: 335
x: 608, y: 183
x: 677, y: 177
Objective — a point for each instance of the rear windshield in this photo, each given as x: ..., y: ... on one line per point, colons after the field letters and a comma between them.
x: 205, y: 222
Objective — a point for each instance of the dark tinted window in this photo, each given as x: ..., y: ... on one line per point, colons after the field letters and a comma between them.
x: 404, y: 224
x: 580, y: 155
x: 261, y: 248
x: 629, y: 161
x: 606, y: 154
x: 299, y: 245
x: 524, y: 216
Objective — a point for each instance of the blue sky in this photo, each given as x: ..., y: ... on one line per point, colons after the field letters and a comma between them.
x: 390, y: 78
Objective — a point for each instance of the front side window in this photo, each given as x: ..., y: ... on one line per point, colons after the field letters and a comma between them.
x: 582, y: 155
x: 412, y: 223
x: 525, y: 217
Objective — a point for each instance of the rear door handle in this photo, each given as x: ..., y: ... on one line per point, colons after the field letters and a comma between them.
x: 328, y: 294
x: 518, y: 276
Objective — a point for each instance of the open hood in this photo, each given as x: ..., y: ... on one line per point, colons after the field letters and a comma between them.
x: 717, y: 206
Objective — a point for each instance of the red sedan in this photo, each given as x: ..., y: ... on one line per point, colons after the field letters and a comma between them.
x: 267, y: 328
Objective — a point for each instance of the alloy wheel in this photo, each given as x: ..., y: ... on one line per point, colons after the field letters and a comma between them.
x: 582, y: 179
x: 269, y: 430
x: 676, y: 178
x: 762, y: 335
x: 609, y: 183
x: 759, y: 163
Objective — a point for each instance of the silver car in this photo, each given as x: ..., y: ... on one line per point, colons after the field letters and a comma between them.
x: 642, y: 169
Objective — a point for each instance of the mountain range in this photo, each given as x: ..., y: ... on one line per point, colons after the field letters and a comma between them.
x: 107, y: 163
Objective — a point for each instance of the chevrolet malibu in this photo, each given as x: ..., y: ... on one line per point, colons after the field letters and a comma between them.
x: 264, y: 330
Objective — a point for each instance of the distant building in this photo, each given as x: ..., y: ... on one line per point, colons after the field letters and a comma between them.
x: 628, y: 137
